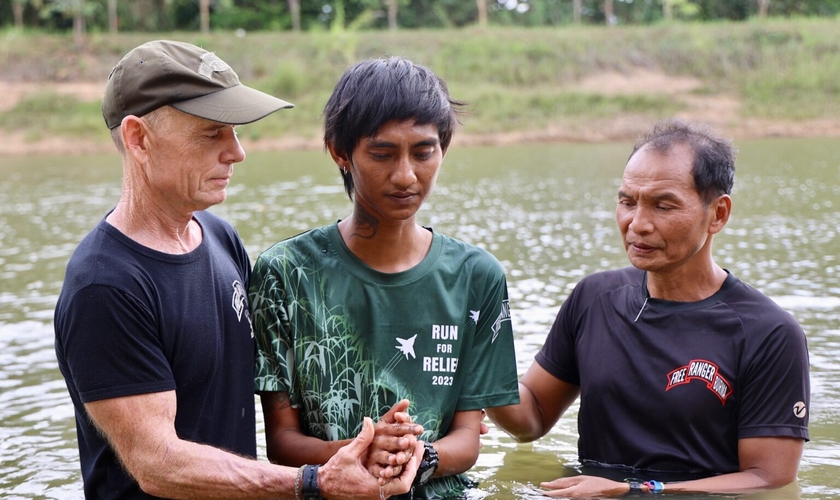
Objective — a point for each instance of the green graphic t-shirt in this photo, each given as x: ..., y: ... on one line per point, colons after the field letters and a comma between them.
x: 346, y: 341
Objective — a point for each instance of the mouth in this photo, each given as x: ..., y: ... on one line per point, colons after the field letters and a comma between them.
x: 640, y: 247
x: 222, y: 181
x: 402, y: 196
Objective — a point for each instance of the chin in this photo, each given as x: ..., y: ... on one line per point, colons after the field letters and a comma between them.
x: 641, y: 264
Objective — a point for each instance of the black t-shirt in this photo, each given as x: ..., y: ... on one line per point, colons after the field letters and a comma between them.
x: 131, y: 320
x: 672, y: 386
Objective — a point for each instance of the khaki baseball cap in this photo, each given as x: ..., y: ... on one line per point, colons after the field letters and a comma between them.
x: 186, y: 77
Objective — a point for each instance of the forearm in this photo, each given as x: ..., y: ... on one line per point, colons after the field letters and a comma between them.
x: 185, y: 470
x: 736, y: 482
x: 457, y: 451
x: 523, y: 421
x: 292, y: 448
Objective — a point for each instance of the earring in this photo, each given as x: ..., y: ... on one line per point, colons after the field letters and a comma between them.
x: 344, y: 169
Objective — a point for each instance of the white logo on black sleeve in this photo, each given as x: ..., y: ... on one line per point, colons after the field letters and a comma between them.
x: 240, y: 304
x: 800, y: 410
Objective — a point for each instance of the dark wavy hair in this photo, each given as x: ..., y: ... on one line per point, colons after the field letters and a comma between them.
x: 376, y: 91
x: 714, y: 156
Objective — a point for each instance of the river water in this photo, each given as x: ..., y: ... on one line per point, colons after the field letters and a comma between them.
x: 545, y: 211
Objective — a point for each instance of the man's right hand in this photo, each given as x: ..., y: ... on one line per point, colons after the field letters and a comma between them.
x: 345, y: 476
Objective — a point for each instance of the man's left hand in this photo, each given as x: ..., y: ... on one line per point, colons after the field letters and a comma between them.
x: 584, y: 487
x: 394, y: 442
x: 345, y: 476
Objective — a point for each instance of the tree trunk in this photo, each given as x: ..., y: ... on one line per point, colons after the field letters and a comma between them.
x: 294, y: 10
x: 113, y: 24
x: 762, y: 7
x: 666, y: 9
x: 608, y: 12
x: 482, y: 12
x: 204, y: 10
x: 17, y: 12
x: 576, y: 7
x: 392, y: 15
x: 79, y: 23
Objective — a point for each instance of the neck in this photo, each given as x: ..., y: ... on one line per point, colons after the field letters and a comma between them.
x: 686, y: 285
x: 386, y: 248
x: 155, y: 225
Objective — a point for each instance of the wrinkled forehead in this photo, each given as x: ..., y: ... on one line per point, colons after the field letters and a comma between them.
x: 653, y: 171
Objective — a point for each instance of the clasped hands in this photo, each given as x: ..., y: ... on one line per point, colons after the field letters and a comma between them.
x: 394, y: 443
x: 380, y: 462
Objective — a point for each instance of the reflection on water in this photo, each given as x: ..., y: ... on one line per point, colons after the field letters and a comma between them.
x: 545, y: 211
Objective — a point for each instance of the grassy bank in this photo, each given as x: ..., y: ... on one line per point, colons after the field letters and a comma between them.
x: 516, y: 80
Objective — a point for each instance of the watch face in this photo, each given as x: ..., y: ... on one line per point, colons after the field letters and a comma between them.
x: 427, y: 467
x: 426, y: 475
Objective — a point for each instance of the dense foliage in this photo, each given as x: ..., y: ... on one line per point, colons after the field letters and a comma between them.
x: 533, y: 82
x: 273, y: 15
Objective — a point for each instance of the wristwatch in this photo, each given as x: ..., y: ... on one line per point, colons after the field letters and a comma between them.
x: 309, y: 483
x: 428, y: 465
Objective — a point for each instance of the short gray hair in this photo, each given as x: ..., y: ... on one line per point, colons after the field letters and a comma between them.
x: 714, y: 156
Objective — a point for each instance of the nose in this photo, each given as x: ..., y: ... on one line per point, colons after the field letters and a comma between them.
x: 233, y: 152
x: 640, y: 221
x: 403, y: 175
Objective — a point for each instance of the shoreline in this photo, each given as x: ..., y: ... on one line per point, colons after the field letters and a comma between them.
x: 622, y: 128
x: 720, y: 111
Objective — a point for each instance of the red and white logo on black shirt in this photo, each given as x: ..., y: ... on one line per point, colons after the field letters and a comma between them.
x: 704, y: 371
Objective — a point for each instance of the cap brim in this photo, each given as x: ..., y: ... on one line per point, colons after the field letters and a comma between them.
x: 235, y: 105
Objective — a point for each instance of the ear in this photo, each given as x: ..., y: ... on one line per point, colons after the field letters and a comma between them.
x: 134, y: 137
x: 341, y: 159
x: 722, y: 209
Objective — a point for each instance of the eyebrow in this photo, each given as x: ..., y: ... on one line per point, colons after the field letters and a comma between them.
x: 374, y: 143
x: 666, y: 196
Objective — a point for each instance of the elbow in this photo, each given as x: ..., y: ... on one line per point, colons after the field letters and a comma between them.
x: 152, y: 488
x: 523, y: 434
x: 516, y: 423
x: 779, y: 480
x: 275, y: 455
x: 151, y: 483
x: 152, y: 473
x: 525, y: 437
x: 772, y: 480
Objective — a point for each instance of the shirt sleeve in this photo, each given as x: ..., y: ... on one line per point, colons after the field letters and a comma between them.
x: 275, y: 358
x: 111, y: 346
x: 776, y: 388
x: 558, y: 355
x: 491, y: 369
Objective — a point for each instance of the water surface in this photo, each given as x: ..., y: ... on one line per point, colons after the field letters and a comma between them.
x: 545, y: 211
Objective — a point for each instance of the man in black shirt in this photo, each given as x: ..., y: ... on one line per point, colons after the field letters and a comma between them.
x: 683, y: 370
x: 153, y: 333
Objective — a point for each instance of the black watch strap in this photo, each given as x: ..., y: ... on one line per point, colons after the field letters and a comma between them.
x: 428, y: 465
x: 309, y: 483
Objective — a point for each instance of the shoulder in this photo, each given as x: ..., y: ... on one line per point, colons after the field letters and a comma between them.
x: 608, y: 281
x: 479, y: 260
x: 212, y: 222
x: 308, y: 243
x: 104, y: 256
x: 104, y: 264
x: 215, y: 226
x: 757, y: 311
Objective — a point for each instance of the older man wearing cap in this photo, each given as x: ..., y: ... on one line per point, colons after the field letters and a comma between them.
x: 153, y: 333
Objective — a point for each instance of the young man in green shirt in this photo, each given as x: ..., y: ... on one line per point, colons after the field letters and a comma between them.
x: 352, y: 317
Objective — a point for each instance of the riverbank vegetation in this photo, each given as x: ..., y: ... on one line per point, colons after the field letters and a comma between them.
x: 570, y: 82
